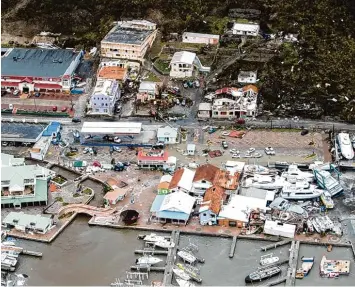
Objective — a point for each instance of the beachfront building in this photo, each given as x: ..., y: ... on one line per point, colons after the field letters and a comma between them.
x: 174, y: 207
x: 198, y: 38
x: 104, y: 97
x: 211, y: 205
x: 186, y: 65
x: 30, y: 70
x: 182, y: 180
x: 168, y: 135
x: 23, y: 185
x: 27, y: 222
x: 129, y: 40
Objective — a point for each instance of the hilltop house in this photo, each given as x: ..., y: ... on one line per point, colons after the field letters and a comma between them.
x: 186, y: 65
x: 246, y: 29
x: 198, y: 38
x: 147, y: 91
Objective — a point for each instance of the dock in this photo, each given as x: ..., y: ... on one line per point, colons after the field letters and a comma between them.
x: 141, y: 236
x: 153, y: 252
x: 147, y: 268
x: 32, y: 253
x: 275, y: 245
x: 233, y: 246
x: 170, y: 260
x: 291, y: 272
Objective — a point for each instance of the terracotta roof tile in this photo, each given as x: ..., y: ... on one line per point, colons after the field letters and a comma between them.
x: 113, y: 72
x: 206, y: 172
x: 250, y: 87
x: 226, y: 180
x: 214, y: 196
x: 176, y: 178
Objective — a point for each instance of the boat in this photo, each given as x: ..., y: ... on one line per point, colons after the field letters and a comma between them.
x: 345, y: 146
x: 8, y: 243
x: 12, y: 251
x: 295, y: 192
x: 318, y: 225
x: 334, y: 268
x: 262, y: 274
x: 329, y: 248
x: 299, y: 274
x: 321, y: 165
x: 325, y: 222
x: 148, y: 260
x: 184, y: 283
x: 265, y: 182
x: 327, y: 200
x: 187, y: 256
x: 326, y: 181
x: 181, y: 274
x: 8, y: 260
x: 21, y: 279
x: 252, y: 169
x: 293, y: 172
x: 165, y: 244
x: 189, y: 269
x: 307, y: 264
x: 154, y: 238
x: 268, y: 259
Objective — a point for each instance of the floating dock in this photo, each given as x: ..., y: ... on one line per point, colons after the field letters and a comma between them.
x: 168, y: 274
x: 233, y: 246
x: 275, y: 245
x: 153, y: 252
x: 148, y: 268
x: 141, y: 236
x: 291, y: 272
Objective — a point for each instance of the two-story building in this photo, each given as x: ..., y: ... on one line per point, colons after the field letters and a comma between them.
x: 168, y: 135
x: 113, y: 70
x: 30, y: 70
x: 104, y: 97
x: 186, y: 65
x: 129, y: 40
x: 147, y: 91
x: 182, y: 180
x: 247, y: 77
x: 203, y: 179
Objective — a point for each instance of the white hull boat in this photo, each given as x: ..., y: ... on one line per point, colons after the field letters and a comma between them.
x: 265, y: 182
x: 8, y: 260
x: 318, y: 227
x: 186, y: 256
x: 181, y: 274
x: 293, y: 173
x: 297, y: 193
x: 165, y: 244
x: 307, y: 264
x: 148, y: 260
x: 8, y: 243
x: 268, y: 259
x: 184, y: 283
x: 154, y: 238
x: 345, y: 146
x: 327, y: 200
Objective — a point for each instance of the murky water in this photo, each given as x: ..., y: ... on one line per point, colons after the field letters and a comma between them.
x: 84, y: 255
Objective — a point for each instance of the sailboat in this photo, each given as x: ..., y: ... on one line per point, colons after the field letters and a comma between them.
x: 181, y: 274
x: 164, y: 244
x: 187, y: 256
x: 148, y: 260
x: 153, y: 238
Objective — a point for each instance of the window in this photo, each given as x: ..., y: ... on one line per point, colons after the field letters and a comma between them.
x: 203, y: 181
x: 231, y: 113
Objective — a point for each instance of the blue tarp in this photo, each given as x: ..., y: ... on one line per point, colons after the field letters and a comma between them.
x: 53, y: 127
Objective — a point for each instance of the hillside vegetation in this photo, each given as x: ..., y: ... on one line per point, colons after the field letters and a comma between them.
x: 316, y: 74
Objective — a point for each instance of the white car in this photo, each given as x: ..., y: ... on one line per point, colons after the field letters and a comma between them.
x: 116, y: 148
x: 257, y: 155
x: 236, y: 155
x: 117, y: 140
x: 251, y: 150
x: 86, y: 150
x: 88, y: 137
x: 269, y: 151
x: 233, y: 151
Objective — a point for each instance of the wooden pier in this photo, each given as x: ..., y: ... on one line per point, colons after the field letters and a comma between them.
x: 153, y: 252
x: 233, y: 246
x: 168, y: 274
x: 291, y: 272
x: 275, y: 245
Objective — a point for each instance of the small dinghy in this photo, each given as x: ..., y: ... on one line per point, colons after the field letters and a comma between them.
x: 268, y: 259
x: 165, y: 244
x: 186, y: 256
x: 184, y: 283
x: 8, y: 243
x: 181, y: 274
x: 299, y: 274
x: 148, y: 260
x: 307, y: 264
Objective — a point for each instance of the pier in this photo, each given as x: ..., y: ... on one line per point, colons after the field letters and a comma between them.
x: 168, y: 274
x: 275, y: 245
x: 291, y: 272
x: 233, y: 246
x: 151, y: 251
x: 148, y: 268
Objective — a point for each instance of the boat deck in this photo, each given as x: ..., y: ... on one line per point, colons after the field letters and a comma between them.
x: 335, y: 266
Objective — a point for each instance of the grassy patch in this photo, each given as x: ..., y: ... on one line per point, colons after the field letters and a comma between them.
x: 162, y: 66
x: 87, y: 191
x: 59, y: 198
x: 152, y: 78
x: 59, y: 179
x: 65, y: 203
x: 76, y: 194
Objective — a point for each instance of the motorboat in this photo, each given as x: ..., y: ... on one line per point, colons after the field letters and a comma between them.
x: 307, y: 264
x: 268, y: 259
x: 327, y: 200
x: 262, y: 274
x: 154, y: 238
x: 334, y: 268
x: 280, y: 203
x: 165, y: 244
x: 12, y: 251
x: 266, y: 182
x: 8, y: 243
x: 184, y: 283
x: 8, y: 260
x: 252, y: 169
x: 299, y: 274
x: 189, y: 269
x: 148, y: 260
x: 181, y: 274
x: 293, y: 192
x: 345, y: 146
x: 187, y: 256
x: 293, y: 173
x: 321, y: 165
x: 326, y: 181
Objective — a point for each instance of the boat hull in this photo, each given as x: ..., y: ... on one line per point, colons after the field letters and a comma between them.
x: 250, y: 279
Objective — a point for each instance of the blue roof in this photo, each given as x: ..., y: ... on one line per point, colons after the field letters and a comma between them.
x: 19, y: 132
x: 157, y: 202
x: 53, y: 127
x: 173, y: 215
x: 37, y: 62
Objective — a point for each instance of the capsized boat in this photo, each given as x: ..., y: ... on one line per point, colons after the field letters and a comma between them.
x: 307, y: 264
x: 294, y: 192
x: 187, y: 256
x: 154, y: 238
x: 327, y: 200
x: 181, y: 274
x: 148, y: 260
x: 262, y: 274
x: 184, y: 283
x: 165, y: 244
x: 268, y: 259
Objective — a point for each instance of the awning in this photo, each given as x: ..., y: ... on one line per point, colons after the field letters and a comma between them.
x: 9, y: 84
x: 47, y: 86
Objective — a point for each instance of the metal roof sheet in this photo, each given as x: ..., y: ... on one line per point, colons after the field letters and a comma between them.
x: 183, y: 57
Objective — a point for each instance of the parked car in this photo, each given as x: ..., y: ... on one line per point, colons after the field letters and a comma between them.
x: 76, y: 120
x: 54, y: 108
x: 185, y: 85
x: 73, y: 149
x: 183, y: 102
x: 87, y: 150
x: 269, y: 151
x: 304, y: 132
x: 3, y: 93
x: 190, y: 84
x: 118, y: 167
x: 236, y: 155
x: 240, y: 121
x: 16, y: 92
x: 88, y: 137
x: 108, y: 138
x: 116, y: 148
x: 94, y: 150
x: 64, y: 109
x: 224, y: 144
x: 37, y: 94
x: 96, y: 163
x: 4, y: 143
x: 117, y: 140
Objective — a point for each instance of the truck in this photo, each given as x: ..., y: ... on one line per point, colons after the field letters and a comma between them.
x: 119, y: 166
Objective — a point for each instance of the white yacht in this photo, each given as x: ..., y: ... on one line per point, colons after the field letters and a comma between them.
x: 326, y: 181
x: 154, y: 238
x: 293, y: 173
x: 8, y: 260
x: 187, y: 256
x: 268, y: 259
x: 184, y: 283
x: 148, y: 260
x: 181, y: 274
x: 295, y: 192
x: 345, y: 145
x: 165, y: 244
x: 265, y: 182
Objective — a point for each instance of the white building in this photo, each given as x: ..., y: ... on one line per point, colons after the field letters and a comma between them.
x: 197, y: 38
x: 147, y: 91
x: 40, y: 148
x: 28, y: 222
x: 279, y: 229
x: 168, y: 135
x: 186, y: 65
x: 204, y: 110
x: 247, y: 77
x: 104, y: 97
x: 246, y: 29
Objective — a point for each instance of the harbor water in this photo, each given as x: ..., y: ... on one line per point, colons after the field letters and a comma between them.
x: 84, y: 255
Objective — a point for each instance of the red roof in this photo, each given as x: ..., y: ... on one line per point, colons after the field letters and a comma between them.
x: 9, y: 84
x: 47, y: 86
x: 206, y: 172
x: 224, y: 91
x: 176, y: 178
x: 213, y: 199
x: 151, y: 155
x: 27, y: 80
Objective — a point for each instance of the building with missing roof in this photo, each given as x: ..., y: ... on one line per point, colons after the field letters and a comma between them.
x: 30, y: 70
x: 129, y: 40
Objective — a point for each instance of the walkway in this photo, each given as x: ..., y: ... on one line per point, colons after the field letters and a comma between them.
x: 87, y: 209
